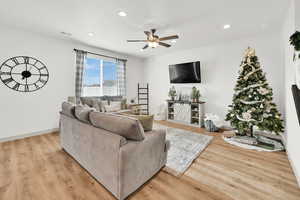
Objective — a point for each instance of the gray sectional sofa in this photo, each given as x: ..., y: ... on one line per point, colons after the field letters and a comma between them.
x: 114, y: 149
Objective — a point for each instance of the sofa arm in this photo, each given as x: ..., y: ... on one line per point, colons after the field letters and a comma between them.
x: 139, y: 161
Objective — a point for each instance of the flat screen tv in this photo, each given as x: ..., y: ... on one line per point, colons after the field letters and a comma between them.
x: 185, y: 73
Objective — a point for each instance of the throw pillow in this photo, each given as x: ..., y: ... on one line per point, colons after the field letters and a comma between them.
x: 87, y: 101
x: 82, y: 113
x: 146, y: 121
x: 102, y: 104
x: 124, y: 104
x: 92, y: 102
x: 68, y: 109
x: 113, y: 107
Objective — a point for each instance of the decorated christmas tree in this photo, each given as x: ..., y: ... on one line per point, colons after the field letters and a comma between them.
x: 253, y: 100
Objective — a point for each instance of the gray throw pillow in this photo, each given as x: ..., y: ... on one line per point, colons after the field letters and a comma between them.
x: 92, y: 102
x: 128, y: 127
x: 68, y: 109
x: 82, y: 113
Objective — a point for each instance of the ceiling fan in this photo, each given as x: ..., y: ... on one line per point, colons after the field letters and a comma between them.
x: 153, y: 40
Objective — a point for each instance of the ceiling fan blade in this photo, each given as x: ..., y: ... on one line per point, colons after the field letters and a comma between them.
x: 169, y: 38
x: 153, y: 31
x: 146, y: 46
x: 147, y: 33
x: 136, y: 40
x: 164, y: 44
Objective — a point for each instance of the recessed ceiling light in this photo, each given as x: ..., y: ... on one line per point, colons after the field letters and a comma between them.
x: 122, y: 14
x: 173, y: 41
x: 91, y: 34
x: 227, y: 26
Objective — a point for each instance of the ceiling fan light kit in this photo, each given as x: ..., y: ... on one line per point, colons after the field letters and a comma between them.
x: 154, y: 41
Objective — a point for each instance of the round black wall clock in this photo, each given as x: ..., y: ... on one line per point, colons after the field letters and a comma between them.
x: 24, y: 74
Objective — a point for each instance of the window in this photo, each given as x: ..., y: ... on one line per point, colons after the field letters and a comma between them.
x: 102, y: 77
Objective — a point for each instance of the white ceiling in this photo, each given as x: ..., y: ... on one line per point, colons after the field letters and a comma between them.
x: 197, y: 22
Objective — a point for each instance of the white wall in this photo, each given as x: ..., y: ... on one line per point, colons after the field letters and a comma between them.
x: 23, y: 113
x: 292, y: 125
x: 219, y: 71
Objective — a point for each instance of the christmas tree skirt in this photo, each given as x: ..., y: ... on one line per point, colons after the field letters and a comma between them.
x: 257, y: 147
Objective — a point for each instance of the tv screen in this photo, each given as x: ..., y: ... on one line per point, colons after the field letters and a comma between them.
x: 185, y: 73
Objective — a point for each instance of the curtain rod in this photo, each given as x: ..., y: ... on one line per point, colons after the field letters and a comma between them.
x: 97, y: 54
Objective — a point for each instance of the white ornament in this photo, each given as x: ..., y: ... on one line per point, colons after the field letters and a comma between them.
x: 261, y: 106
x: 263, y: 91
x: 265, y: 115
x: 246, y: 116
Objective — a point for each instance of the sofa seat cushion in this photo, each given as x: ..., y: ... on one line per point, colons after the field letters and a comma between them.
x: 68, y: 109
x: 82, y: 113
x: 128, y: 127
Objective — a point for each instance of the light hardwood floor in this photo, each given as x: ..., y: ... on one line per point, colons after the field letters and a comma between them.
x: 37, y: 169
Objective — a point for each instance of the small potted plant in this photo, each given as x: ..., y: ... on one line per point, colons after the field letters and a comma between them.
x: 295, y: 41
x: 195, y: 95
x: 172, y: 93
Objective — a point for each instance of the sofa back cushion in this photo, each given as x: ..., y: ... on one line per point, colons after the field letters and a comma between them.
x: 82, y: 113
x: 127, y: 127
x: 68, y: 109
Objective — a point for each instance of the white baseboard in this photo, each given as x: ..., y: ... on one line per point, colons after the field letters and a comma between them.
x: 28, y: 135
x: 296, y: 173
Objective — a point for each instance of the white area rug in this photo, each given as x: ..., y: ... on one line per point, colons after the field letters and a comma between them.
x: 185, y: 147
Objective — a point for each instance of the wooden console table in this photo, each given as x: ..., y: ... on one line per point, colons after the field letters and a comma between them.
x: 186, y: 112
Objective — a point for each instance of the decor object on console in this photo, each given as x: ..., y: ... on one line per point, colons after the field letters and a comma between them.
x: 172, y: 93
x: 186, y: 112
x: 253, y: 100
x: 24, y: 74
x: 195, y: 95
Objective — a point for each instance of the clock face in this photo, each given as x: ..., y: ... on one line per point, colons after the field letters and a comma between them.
x: 24, y: 74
